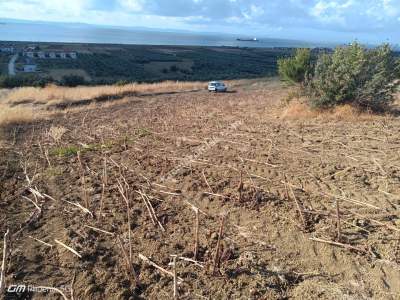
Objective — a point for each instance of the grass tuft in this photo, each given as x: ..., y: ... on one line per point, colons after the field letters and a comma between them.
x: 65, y: 151
x: 143, y: 132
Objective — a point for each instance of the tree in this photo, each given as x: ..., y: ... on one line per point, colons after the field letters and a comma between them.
x: 72, y: 80
x: 21, y: 80
x: 355, y: 75
x: 174, y: 69
x: 295, y: 69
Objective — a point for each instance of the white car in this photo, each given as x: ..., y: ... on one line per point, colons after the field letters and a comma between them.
x: 217, y: 86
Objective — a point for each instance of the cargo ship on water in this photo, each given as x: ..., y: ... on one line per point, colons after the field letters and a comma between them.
x: 248, y: 40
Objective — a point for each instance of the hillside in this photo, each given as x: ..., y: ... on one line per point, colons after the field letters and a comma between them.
x: 103, y: 184
x: 99, y: 64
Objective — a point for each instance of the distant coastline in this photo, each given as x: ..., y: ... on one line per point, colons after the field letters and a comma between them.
x: 83, y: 33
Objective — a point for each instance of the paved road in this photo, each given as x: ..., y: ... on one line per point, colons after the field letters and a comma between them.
x: 11, y: 65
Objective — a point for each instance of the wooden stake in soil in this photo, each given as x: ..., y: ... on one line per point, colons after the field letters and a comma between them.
x: 240, y: 187
x: 339, y: 232
x: 346, y: 246
x: 147, y: 260
x: 103, y: 186
x: 105, y: 179
x: 82, y: 174
x: 125, y: 196
x: 128, y: 263
x: 3, y: 263
x: 68, y: 248
x: 175, y: 278
x: 40, y: 241
x: 205, y: 179
x: 299, y: 208
x: 196, y: 234
x: 217, y: 256
x: 72, y: 286
x: 99, y: 230
x: 150, y: 209
x: 127, y: 259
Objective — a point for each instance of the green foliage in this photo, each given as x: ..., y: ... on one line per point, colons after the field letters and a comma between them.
x: 113, y: 63
x: 174, y: 69
x: 231, y: 63
x: 72, y: 150
x: 142, y: 132
x: 72, y: 80
x: 355, y: 75
x: 24, y: 80
x: 122, y: 82
x: 295, y: 69
x: 65, y: 151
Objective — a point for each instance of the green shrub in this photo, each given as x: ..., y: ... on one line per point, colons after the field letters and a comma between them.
x: 122, y: 82
x: 24, y: 80
x: 355, y: 75
x: 296, y: 69
x: 174, y: 69
x: 72, y: 80
x: 65, y: 151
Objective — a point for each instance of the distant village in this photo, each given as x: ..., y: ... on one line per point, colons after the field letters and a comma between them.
x: 32, y: 52
x: 35, y: 52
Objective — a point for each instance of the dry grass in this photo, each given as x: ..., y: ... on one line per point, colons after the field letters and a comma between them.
x: 29, y: 104
x: 297, y: 110
x: 17, y: 105
x: 55, y: 94
x: 16, y: 115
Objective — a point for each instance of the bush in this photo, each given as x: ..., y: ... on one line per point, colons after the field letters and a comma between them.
x: 174, y: 69
x: 355, y: 75
x: 72, y: 80
x: 295, y: 69
x: 24, y: 80
x: 122, y: 82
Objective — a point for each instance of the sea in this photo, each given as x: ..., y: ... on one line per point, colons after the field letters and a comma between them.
x: 82, y: 33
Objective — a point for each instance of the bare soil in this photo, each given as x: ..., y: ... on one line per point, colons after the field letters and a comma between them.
x: 277, y: 181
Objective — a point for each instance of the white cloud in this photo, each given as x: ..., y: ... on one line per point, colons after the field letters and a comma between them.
x: 132, y: 5
x: 331, y: 11
x: 352, y: 17
x: 256, y: 11
x: 390, y: 8
x: 43, y: 9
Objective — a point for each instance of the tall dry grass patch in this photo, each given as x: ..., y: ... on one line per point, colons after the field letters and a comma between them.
x: 297, y: 110
x: 16, y: 115
x: 56, y: 94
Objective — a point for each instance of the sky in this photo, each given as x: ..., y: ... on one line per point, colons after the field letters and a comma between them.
x: 370, y: 21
